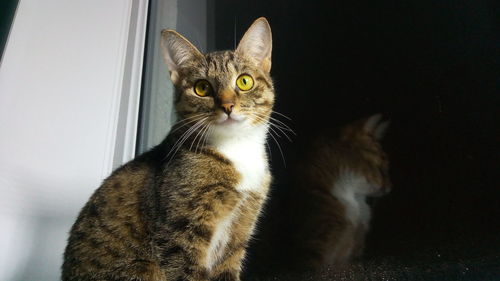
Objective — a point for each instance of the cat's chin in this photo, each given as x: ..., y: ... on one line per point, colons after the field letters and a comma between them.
x: 232, y: 120
x: 229, y: 122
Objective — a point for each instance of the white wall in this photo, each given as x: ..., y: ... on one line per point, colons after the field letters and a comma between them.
x: 69, y: 76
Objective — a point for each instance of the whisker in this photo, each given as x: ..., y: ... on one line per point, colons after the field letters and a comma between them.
x: 193, y: 129
x: 280, y: 128
x: 209, y: 131
x: 177, y: 145
x: 258, y: 117
x: 283, y: 132
x: 274, y: 111
x: 279, y: 147
x: 261, y: 117
x: 203, y: 131
x: 271, y: 129
x: 199, y: 117
x: 183, y: 140
x: 190, y: 117
x: 199, y: 132
x: 205, y: 135
x: 279, y: 123
x: 286, y: 127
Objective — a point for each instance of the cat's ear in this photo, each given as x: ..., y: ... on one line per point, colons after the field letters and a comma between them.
x: 373, y: 126
x: 177, y: 50
x: 381, y: 129
x: 257, y: 44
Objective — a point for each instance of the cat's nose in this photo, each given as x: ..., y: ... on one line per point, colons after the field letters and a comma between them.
x: 226, y: 99
x: 227, y: 107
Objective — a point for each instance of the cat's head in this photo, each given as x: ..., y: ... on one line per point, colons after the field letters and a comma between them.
x: 367, y: 158
x: 230, y: 90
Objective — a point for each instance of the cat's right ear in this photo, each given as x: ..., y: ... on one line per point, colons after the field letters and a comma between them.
x: 177, y: 50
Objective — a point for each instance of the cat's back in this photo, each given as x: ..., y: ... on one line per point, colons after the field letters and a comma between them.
x: 114, y: 230
x: 110, y: 236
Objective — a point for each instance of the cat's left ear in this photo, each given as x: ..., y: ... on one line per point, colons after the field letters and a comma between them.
x: 375, y: 127
x: 257, y: 44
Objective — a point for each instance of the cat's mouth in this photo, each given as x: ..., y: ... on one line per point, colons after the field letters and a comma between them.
x: 233, y: 118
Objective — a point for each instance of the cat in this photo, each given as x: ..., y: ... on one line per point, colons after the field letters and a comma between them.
x: 186, y: 209
x: 334, y: 176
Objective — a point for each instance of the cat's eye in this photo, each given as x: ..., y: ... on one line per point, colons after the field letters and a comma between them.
x: 202, y: 88
x: 244, y: 82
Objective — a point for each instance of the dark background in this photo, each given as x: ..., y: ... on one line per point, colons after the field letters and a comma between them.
x: 432, y: 67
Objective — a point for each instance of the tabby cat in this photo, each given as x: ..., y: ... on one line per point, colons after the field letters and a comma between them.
x: 186, y: 209
x: 334, y: 177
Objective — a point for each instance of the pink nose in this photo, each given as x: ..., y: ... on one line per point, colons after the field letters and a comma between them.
x: 228, y: 107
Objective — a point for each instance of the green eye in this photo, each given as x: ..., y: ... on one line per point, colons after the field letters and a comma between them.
x: 202, y: 88
x: 244, y: 82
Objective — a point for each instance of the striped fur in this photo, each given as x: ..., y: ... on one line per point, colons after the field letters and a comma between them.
x: 186, y: 209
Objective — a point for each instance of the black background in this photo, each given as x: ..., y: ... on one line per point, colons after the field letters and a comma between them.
x: 432, y: 67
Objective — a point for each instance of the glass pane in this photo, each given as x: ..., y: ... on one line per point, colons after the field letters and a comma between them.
x: 428, y: 67
x: 191, y: 19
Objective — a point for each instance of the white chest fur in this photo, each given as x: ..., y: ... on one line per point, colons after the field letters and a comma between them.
x: 247, y: 153
x: 350, y: 190
x: 220, y: 239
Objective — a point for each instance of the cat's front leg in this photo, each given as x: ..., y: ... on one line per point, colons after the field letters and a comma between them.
x: 230, y: 268
x: 189, y: 234
x: 180, y: 258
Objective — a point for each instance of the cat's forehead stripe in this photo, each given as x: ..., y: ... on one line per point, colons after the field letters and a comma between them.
x: 220, y: 62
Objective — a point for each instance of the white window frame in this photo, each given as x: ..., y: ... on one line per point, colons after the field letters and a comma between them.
x: 129, y: 101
